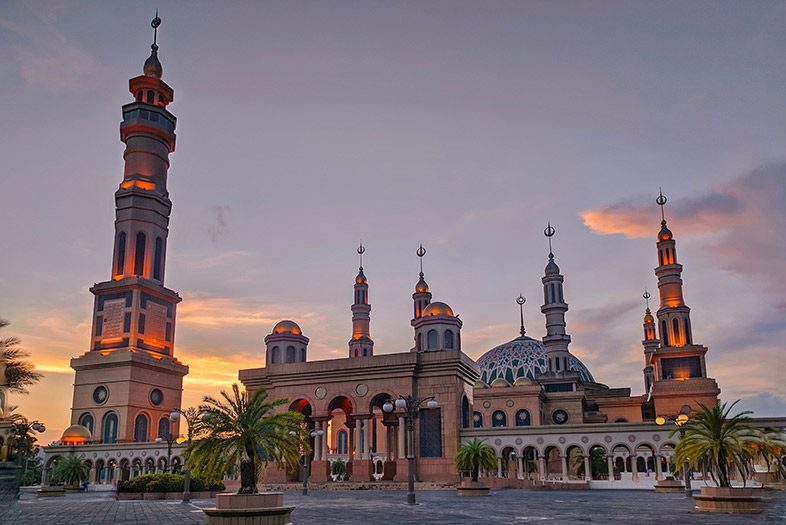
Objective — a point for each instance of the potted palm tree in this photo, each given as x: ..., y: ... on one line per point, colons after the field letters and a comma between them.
x: 70, y: 470
x: 720, y: 446
x: 249, y: 431
x: 338, y: 469
x: 472, y: 457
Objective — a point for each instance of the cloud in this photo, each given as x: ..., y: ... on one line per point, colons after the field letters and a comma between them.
x: 742, y: 224
x: 198, y: 263
x: 763, y: 404
x: 208, y: 312
x: 220, y: 224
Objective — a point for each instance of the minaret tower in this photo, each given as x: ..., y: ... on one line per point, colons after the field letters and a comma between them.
x: 673, y: 314
x: 361, y: 344
x: 556, y: 339
x: 650, y: 343
x: 129, y: 381
x: 422, y: 296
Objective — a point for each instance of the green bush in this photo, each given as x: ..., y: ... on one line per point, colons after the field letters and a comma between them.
x: 169, y: 483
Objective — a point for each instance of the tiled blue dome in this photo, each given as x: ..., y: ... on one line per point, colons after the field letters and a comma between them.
x: 522, y: 357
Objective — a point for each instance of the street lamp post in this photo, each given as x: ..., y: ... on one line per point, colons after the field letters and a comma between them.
x: 314, y: 434
x: 680, y: 420
x: 411, y: 406
x: 190, y: 415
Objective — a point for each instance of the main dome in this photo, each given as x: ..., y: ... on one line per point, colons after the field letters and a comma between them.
x: 522, y: 357
x: 438, y: 308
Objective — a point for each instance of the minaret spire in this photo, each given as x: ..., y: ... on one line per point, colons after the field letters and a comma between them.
x: 554, y: 307
x: 422, y: 295
x: 520, y: 300
x: 361, y: 344
x: 650, y: 343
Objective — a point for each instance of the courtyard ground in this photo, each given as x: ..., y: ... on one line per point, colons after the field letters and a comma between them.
x: 387, y: 508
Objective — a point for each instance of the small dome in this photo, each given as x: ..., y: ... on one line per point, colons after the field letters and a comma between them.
x: 499, y: 383
x: 361, y: 278
x: 76, y: 435
x: 664, y: 234
x: 152, y: 67
x: 287, y: 327
x: 648, y: 319
x: 551, y: 267
x: 480, y: 384
x: 422, y: 286
x: 523, y: 381
x: 437, y: 308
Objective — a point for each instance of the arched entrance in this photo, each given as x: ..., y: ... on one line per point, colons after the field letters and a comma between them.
x: 302, y: 406
x: 530, y: 463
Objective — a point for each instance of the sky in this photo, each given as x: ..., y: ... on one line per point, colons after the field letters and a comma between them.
x: 304, y: 127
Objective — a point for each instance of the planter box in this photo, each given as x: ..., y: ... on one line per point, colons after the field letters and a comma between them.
x: 473, y: 489
x: 731, y: 500
x: 153, y: 495
x: 266, y: 508
x: 669, y: 486
x: 123, y: 496
x: 48, y: 492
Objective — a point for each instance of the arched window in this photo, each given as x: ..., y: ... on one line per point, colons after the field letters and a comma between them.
x: 432, y: 339
x: 150, y: 97
x: 688, y: 338
x: 302, y: 355
x: 275, y: 355
x: 420, y: 343
x: 364, y: 351
x: 448, y: 339
x: 159, y: 253
x: 139, y: 96
x: 140, y: 428
x: 545, y: 294
x: 556, y: 361
x: 121, y: 252
x: 464, y: 412
x: 458, y: 340
x: 559, y: 289
x: 477, y: 420
x: 290, y: 354
x: 660, y: 257
x: 663, y: 333
x: 109, y: 428
x: 86, y: 420
x: 139, y: 257
x: 499, y: 419
x: 342, y: 442
x: 675, y: 324
x: 553, y: 294
x: 163, y: 427
x: 522, y: 418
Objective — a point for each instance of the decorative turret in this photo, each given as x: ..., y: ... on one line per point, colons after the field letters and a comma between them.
x: 422, y: 296
x: 438, y: 328
x: 650, y: 343
x: 554, y: 307
x: 361, y: 344
x: 673, y: 314
x: 286, y: 344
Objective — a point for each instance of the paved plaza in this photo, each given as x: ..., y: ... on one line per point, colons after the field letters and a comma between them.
x: 386, y: 507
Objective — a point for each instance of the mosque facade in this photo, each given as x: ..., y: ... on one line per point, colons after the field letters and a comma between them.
x: 534, y: 401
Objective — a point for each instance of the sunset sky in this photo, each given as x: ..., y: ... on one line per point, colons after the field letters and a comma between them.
x: 304, y: 127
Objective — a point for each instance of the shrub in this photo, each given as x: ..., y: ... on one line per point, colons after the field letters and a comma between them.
x: 338, y: 468
x: 166, y: 482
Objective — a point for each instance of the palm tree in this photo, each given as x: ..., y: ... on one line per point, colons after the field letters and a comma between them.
x: 770, y: 447
x: 474, y: 456
x: 598, y: 464
x: 17, y: 373
x: 23, y: 439
x: 70, y: 470
x: 247, y: 430
x: 717, y: 443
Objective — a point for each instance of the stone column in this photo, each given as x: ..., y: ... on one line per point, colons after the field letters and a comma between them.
x: 658, y: 472
x: 610, y: 460
x: 499, y: 467
x: 45, y: 477
x: 357, y: 439
x: 367, y: 440
x: 587, y: 471
x: 317, y: 442
x: 542, y: 468
x: 323, y: 441
x: 564, y: 467
x: 520, y: 466
x: 402, y: 453
x: 634, y: 467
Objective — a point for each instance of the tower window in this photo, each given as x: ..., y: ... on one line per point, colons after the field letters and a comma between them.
x: 139, y: 96
x: 559, y: 289
x: 290, y: 354
x: 432, y: 340
x: 522, y: 418
x: 109, y: 428
x: 688, y: 338
x: 448, y: 339
x: 302, y: 355
x: 420, y: 343
x: 86, y: 420
x: 553, y: 295
x: 556, y: 361
x: 99, y: 325
x: 140, y: 428
x: 150, y: 97
x: 275, y: 355
x: 477, y: 420
x: 545, y: 294
x: 660, y: 257
x: 163, y: 427
x: 499, y: 419
x: 664, y: 336
x: 675, y: 323
x: 139, y: 257
x: 159, y: 253
x: 121, y: 252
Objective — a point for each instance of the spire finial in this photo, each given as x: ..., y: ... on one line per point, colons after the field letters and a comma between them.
x: 549, y: 232
x: 361, y: 250
x: 661, y: 200
x: 521, y: 300
x: 154, y: 24
x: 420, y: 253
x: 647, y: 296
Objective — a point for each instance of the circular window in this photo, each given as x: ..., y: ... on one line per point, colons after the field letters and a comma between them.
x: 156, y: 396
x: 320, y: 392
x: 560, y: 417
x: 361, y: 389
x: 100, y: 395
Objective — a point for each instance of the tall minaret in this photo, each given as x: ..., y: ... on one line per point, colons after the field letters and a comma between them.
x: 673, y: 314
x: 422, y: 296
x: 361, y: 344
x: 554, y: 307
x: 129, y: 381
x: 650, y: 343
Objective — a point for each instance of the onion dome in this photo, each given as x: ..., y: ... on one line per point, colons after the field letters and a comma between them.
x: 664, y: 234
x: 422, y: 285
x: 361, y: 278
x: 522, y: 357
x: 287, y: 327
x: 152, y: 67
x: 648, y: 317
x: 551, y: 267
x: 438, y: 308
x: 76, y: 435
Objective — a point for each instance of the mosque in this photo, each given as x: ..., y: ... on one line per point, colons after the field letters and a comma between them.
x: 535, y: 402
